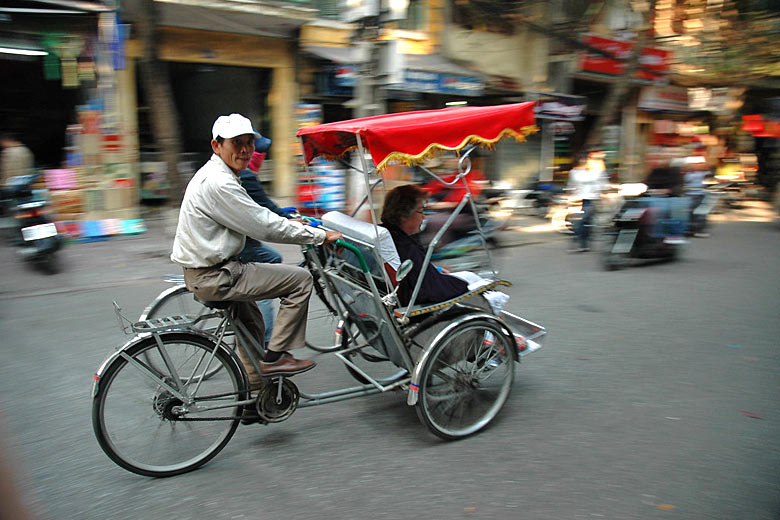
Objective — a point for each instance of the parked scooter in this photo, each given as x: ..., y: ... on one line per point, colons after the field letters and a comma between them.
x: 33, y: 233
x: 634, y: 234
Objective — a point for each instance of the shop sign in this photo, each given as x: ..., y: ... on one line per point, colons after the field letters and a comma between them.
x: 345, y: 75
x: 757, y: 125
x: 438, y: 83
x: 654, y: 62
x: 668, y: 99
x: 557, y: 106
x: 562, y: 128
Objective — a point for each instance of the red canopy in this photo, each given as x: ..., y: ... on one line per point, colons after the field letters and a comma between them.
x: 412, y: 137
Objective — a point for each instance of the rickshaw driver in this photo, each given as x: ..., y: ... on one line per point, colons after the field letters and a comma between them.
x: 215, y: 217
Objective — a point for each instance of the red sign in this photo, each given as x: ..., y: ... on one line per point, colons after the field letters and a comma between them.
x: 760, y: 127
x: 651, y: 60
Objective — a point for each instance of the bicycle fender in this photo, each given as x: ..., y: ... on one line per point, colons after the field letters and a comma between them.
x: 143, y: 337
x: 414, y: 383
x: 160, y: 297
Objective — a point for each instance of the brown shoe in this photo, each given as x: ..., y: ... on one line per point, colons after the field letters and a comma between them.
x: 286, y: 365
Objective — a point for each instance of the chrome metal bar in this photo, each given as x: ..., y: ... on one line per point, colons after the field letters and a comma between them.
x: 431, y: 246
x: 197, y: 408
x: 330, y: 397
x: 169, y: 363
x: 365, y: 198
x: 154, y: 377
x: 222, y: 328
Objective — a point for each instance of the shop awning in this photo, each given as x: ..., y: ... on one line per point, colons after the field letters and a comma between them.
x: 233, y: 16
x: 421, y: 72
x: 345, y: 55
x: 54, y: 7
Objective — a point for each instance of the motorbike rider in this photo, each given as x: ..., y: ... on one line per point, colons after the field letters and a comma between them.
x: 16, y: 158
x: 216, y: 216
x: 670, y: 208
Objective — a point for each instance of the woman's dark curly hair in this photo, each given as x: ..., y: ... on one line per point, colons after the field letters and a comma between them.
x: 401, y: 202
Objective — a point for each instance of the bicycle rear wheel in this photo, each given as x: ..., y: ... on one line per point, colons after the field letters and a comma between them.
x: 179, y: 300
x: 466, y: 380
x: 145, y: 428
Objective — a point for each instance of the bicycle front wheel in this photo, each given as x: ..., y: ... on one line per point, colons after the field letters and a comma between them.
x: 466, y: 380
x: 144, y: 427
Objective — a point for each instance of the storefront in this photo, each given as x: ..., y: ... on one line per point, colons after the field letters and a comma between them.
x: 61, y: 94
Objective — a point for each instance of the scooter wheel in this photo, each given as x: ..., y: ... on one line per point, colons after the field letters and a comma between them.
x: 50, y: 264
x: 612, y: 261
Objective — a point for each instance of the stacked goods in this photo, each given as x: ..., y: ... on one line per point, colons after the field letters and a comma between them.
x: 96, y: 193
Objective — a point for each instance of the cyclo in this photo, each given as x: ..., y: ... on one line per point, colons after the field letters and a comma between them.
x: 169, y: 399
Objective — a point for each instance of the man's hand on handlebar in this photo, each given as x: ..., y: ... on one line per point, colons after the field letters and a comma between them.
x: 332, y: 236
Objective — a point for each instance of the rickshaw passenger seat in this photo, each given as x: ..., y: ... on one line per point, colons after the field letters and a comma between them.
x: 365, y: 232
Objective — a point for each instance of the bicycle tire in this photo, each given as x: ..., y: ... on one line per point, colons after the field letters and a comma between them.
x: 128, y: 405
x: 322, y: 320
x: 179, y: 300
x: 456, y: 395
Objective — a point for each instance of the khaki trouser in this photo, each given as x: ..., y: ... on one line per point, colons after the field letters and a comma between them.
x: 247, y: 283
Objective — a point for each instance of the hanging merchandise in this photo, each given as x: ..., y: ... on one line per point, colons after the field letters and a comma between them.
x: 51, y: 62
x: 86, y: 62
x: 68, y: 50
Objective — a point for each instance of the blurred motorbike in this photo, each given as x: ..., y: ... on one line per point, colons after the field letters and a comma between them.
x: 633, y: 232
x: 462, y: 249
x: 536, y: 199
x: 33, y: 232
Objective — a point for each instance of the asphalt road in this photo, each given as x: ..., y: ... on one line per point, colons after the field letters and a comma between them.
x: 656, y: 396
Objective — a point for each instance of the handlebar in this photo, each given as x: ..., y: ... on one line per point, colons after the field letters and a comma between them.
x: 313, y: 222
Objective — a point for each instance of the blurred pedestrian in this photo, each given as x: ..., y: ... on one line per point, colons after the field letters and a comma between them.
x: 694, y: 174
x: 16, y: 158
x: 586, y: 181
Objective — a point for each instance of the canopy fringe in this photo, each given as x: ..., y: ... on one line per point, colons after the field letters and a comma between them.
x: 434, y: 149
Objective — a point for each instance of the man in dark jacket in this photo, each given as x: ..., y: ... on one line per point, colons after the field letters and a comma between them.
x: 254, y: 250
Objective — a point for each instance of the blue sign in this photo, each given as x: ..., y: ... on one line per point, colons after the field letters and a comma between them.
x: 438, y: 83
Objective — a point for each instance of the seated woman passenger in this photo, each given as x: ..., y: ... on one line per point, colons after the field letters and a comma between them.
x: 402, y: 215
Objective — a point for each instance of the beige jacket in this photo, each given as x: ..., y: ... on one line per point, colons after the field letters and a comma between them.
x: 217, y: 215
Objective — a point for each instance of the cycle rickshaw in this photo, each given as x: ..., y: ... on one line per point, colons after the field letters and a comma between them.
x: 170, y: 399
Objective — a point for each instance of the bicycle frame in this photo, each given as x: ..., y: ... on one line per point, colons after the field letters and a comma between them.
x: 180, y: 389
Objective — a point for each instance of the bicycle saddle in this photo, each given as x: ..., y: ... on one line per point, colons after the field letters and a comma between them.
x: 221, y: 305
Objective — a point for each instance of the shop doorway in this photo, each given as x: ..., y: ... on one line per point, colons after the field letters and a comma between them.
x: 36, y: 109
x: 201, y: 93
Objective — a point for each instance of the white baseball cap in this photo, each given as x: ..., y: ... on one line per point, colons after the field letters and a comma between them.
x: 231, y: 126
